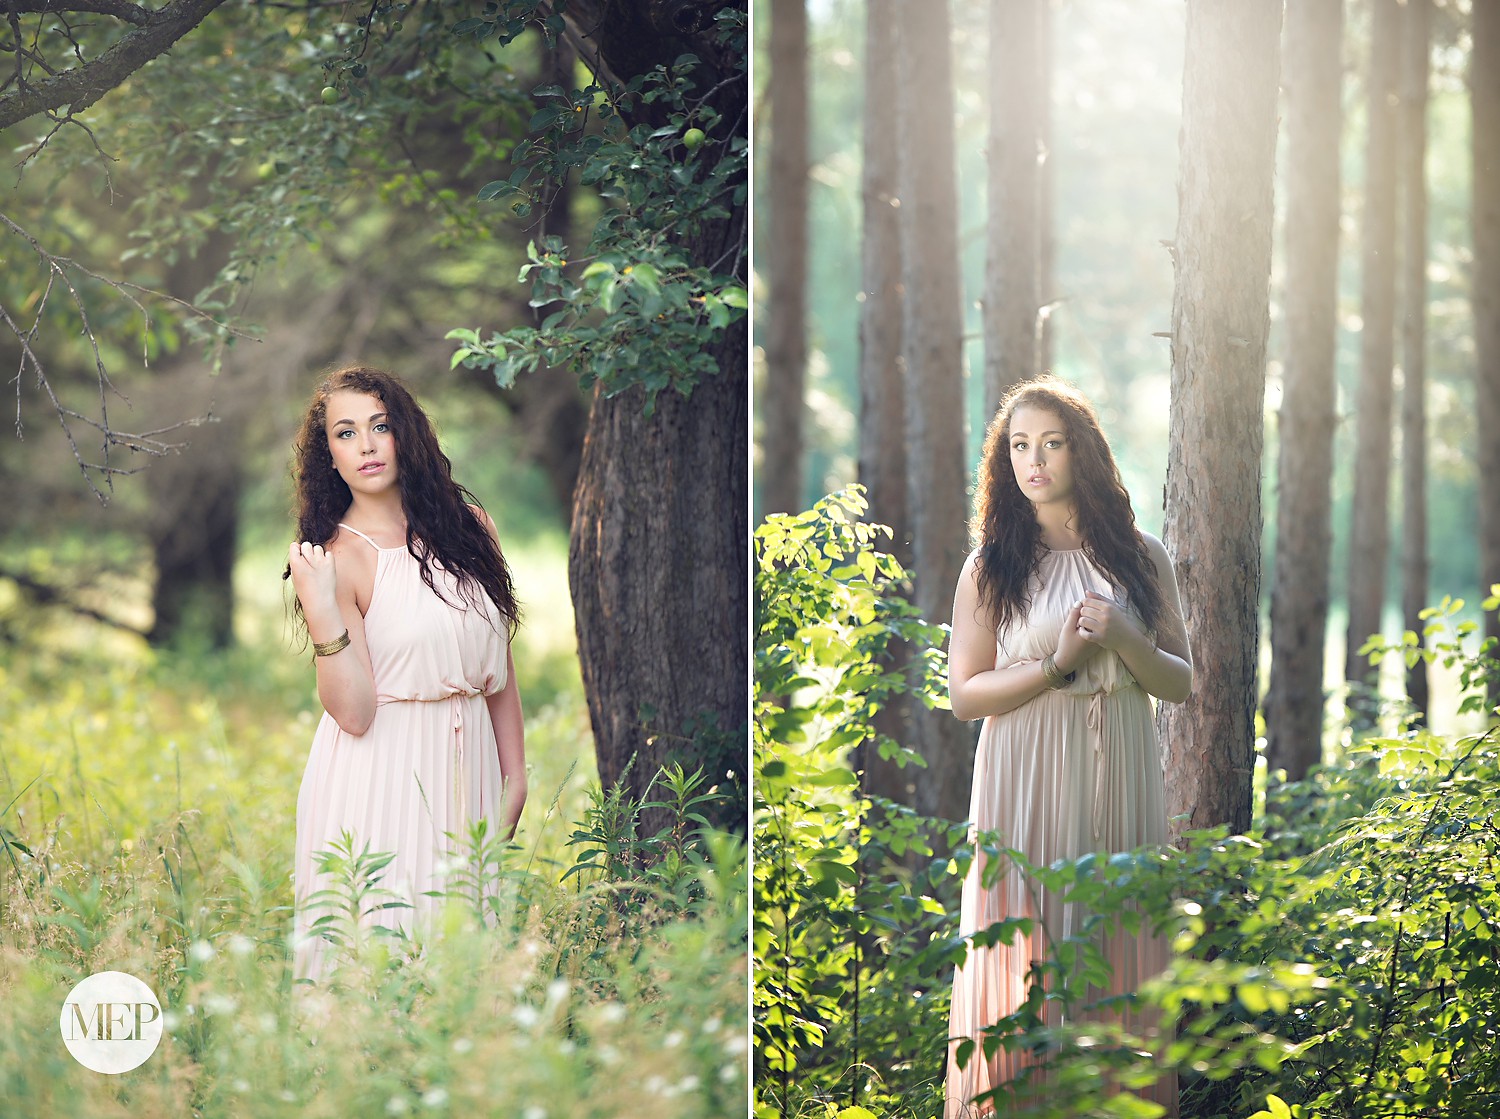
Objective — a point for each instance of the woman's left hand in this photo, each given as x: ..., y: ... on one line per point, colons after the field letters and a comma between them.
x: 1104, y: 622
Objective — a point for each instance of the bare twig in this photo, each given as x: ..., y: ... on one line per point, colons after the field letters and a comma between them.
x: 57, y: 270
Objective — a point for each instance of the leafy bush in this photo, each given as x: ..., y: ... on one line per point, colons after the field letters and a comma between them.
x: 1339, y: 961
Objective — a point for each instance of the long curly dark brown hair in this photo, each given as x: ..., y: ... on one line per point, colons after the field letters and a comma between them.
x: 439, y: 523
x: 1005, y: 528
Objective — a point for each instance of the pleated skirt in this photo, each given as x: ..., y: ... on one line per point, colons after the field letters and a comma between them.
x: 1060, y: 776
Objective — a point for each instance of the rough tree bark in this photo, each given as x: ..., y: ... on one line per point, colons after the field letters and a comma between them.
x: 932, y: 346
x: 658, y: 560
x: 882, y: 404
x: 1311, y: 76
x: 1012, y: 266
x: 1220, y: 318
x: 786, y: 327
x: 1369, y: 517
x: 1484, y: 94
x: 1415, y: 35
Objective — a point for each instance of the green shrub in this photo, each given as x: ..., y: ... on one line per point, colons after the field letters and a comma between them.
x: 1342, y: 960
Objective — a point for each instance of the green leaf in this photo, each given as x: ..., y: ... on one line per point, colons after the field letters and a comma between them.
x: 495, y: 190
x: 645, y: 276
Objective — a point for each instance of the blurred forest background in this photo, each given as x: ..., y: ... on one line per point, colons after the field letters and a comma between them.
x: 1115, y: 109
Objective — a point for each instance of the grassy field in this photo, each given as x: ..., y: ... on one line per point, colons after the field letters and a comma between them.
x: 148, y: 818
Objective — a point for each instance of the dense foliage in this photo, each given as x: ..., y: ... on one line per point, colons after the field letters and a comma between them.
x: 657, y: 313
x: 1339, y: 961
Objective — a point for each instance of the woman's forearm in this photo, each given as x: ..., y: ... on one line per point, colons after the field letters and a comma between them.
x: 997, y: 690
x: 1166, y: 676
x: 510, y: 742
x: 346, y: 687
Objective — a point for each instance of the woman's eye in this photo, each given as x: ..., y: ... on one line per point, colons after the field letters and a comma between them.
x: 382, y: 427
x: 347, y: 431
x: 1019, y: 447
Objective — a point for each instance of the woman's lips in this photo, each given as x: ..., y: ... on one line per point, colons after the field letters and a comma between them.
x: 372, y: 468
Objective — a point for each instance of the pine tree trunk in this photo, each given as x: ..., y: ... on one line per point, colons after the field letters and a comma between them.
x: 1413, y: 154
x: 932, y: 345
x: 882, y: 404
x: 1299, y: 591
x: 882, y: 407
x: 1484, y: 92
x: 1369, y: 521
x: 786, y: 328
x: 1220, y: 318
x: 1047, y: 264
x: 1012, y: 269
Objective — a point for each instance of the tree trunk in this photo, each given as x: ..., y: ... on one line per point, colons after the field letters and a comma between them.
x: 193, y: 529
x: 1012, y: 267
x: 786, y: 328
x: 1484, y: 93
x: 193, y: 522
x: 1220, y: 318
x: 1047, y: 264
x: 882, y: 407
x: 1413, y: 142
x: 1306, y: 422
x: 1369, y: 521
x: 882, y: 404
x: 657, y: 566
x: 658, y: 556
x: 932, y: 346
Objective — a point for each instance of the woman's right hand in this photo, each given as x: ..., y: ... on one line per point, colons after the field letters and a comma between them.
x: 313, y: 577
x: 1073, y: 649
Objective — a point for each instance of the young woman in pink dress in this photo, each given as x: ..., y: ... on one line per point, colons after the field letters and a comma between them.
x: 1065, y: 618
x: 409, y: 606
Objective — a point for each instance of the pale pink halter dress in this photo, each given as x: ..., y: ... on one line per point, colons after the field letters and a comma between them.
x: 427, y: 765
x: 1068, y: 772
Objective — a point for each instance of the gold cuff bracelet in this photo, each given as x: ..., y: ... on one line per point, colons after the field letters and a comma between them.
x: 328, y: 648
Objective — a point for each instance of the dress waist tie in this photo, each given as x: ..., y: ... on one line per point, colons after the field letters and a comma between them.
x: 458, y: 808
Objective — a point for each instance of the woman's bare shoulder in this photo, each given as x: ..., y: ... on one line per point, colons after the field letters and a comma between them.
x: 487, y: 521
x: 1154, y: 547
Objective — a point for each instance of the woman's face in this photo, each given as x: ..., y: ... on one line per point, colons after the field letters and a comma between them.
x: 360, y: 441
x: 1039, y: 455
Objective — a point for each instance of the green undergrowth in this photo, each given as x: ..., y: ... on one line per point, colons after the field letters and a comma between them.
x: 583, y: 969
x: 1342, y: 960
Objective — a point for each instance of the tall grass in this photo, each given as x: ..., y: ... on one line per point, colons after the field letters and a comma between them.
x: 148, y: 828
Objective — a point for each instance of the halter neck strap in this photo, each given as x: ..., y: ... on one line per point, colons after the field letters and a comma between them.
x: 362, y: 536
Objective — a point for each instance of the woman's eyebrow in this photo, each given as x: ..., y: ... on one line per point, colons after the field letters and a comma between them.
x: 375, y: 416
